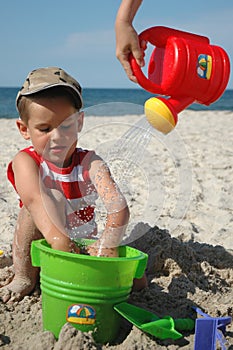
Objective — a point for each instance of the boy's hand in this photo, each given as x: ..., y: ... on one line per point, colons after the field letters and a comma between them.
x: 64, y: 244
x: 96, y: 249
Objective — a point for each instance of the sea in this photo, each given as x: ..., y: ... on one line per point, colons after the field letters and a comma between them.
x: 110, y: 102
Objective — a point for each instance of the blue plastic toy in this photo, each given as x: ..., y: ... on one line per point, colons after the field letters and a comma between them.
x: 210, y: 329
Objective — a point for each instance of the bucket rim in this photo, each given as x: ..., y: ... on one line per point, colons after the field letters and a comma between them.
x: 42, y: 244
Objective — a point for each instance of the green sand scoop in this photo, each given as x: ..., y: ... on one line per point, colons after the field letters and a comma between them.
x: 162, y: 328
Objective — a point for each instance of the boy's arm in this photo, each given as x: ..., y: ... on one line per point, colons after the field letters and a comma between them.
x: 117, y: 210
x: 39, y: 204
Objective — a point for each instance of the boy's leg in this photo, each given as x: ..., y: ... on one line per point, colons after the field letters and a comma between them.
x: 25, y: 277
x: 139, y: 283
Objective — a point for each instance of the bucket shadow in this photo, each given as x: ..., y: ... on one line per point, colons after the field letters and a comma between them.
x: 184, y: 261
x: 175, y: 271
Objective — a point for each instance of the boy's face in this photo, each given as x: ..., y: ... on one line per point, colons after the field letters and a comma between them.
x: 52, y: 127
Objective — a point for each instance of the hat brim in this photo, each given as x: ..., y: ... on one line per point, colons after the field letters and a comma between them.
x: 34, y: 91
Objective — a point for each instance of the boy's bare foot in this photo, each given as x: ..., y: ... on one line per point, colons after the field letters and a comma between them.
x: 17, y: 289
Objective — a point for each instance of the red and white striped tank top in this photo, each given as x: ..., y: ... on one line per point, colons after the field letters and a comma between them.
x: 75, y: 184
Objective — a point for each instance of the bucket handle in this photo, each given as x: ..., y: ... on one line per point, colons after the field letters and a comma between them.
x: 35, y: 254
x: 141, y: 266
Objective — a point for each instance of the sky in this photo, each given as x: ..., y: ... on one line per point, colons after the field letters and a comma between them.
x: 78, y: 35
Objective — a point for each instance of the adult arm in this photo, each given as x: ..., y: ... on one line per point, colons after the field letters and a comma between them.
x: 127, y: 41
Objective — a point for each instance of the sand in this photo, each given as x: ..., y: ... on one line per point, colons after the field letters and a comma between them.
x: 179, y: 190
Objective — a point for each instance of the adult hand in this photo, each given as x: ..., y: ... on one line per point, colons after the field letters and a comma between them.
x: 127, y: 42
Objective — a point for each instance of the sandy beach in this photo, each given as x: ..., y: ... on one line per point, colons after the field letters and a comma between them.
x: 179, y: 190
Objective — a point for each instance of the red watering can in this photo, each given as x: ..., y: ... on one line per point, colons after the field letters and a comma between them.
x: 184, y: 67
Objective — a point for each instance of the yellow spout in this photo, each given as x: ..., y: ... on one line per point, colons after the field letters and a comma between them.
x: 159, y: 115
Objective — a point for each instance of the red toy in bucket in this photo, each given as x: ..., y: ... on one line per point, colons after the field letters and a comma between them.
x: 184, y: 67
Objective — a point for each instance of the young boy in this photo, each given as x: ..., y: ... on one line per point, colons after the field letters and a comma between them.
x: 57, y: 182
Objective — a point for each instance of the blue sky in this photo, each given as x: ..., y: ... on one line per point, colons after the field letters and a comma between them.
x: 78, y: 35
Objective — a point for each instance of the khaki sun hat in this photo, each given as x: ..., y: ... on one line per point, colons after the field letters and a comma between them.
x: 45, y: 78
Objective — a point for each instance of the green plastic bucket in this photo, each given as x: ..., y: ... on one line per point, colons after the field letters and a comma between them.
x: 82, y: 289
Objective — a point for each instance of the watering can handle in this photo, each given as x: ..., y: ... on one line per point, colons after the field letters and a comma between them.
x: 158, y: 37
